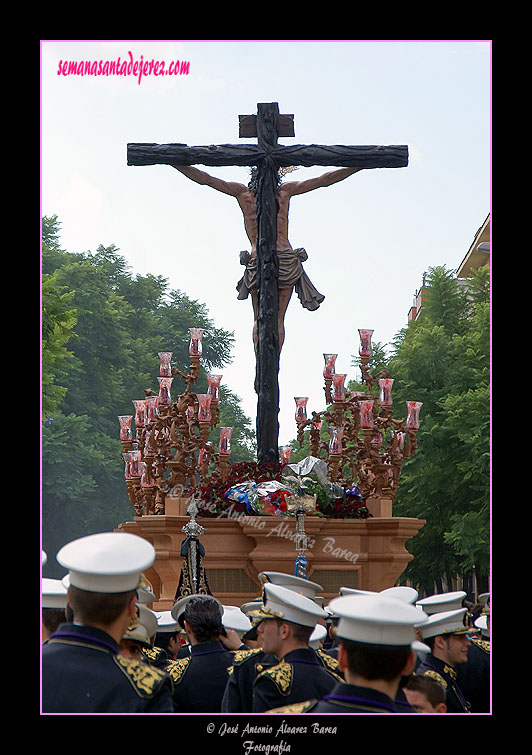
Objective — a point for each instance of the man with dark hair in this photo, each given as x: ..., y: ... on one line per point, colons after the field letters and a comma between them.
x: 285, y: 633
x: 425, y: 694
x: 82, y: 671
x: 200, y: 679
x: 291, y: 273
x: 375, y: 636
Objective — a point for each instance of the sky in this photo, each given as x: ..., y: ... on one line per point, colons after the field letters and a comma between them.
x: 369, y: 238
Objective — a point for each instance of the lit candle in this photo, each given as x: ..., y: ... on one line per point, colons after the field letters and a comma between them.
x: 165, y: 384
x: 125, y: 427
x: 140, y: 412
x: 204, y: 410
x: 365, y: 342
x: 335, y: 440
x: 225, y: 440
x: 301, y: 408
x: 338, y: 387
x: 195, y: 347
x: 366, y: 415
x: 165, y: 370
x: 214, y: 385
x: 386, y: 391
x: 412, y: 418
x: 328, y: 370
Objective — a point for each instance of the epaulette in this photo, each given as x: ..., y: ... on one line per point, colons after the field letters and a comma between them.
x: 295, y: 707
x: 281, y: 675
x: 176, y: 668
x: 241, y: 656
x: 145, y: 679
x: 330, y: 664
x: 153, y: 654
x: 434, y: 675
x: 482, y: 644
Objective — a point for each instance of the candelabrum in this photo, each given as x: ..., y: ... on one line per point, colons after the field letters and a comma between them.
x: 366, y: 446
x: 171, y: 449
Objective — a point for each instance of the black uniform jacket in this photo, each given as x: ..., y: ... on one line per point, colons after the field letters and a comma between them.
x: 299, y: 676
x: 200, y: 679
x: 447, y: 676
x: 83, y: 673
x: 344, y: 698
x: 473, y: 677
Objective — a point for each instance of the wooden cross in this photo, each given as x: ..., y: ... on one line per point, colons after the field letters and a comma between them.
x: 268, y: 156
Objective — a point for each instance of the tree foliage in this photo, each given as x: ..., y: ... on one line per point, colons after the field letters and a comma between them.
x: 102, y: 331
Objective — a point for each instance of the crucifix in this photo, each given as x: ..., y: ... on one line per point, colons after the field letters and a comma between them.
x: 267, y: 156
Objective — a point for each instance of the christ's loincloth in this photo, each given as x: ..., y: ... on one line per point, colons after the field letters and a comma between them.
x: 291, y: 275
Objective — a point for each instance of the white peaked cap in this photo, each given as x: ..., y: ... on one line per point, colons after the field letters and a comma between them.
x: 376, y: 620
x: 319, y: 633
x: 445, y: 622
x: 109, y: 562
x: 179, y: 607
x: 143, y: 627
x: 355, y: 591
x: 145, y: 594
x: 44, y: 557
x: 54, y: 594
x: 447, y: 601
x: 401, y: 592
x: 233, y: 618
x: 290, y: 581
x: 283, y: 603
x: 166, y: 622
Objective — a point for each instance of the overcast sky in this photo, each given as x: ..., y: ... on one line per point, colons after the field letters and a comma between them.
x: 369, y: 238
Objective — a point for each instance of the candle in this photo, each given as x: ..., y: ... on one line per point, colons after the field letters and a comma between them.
x: 214, y: 385
x: 301, y: 408
x: 335, y: 440
x: 195, y: 347
x: 165, y: 370
x: 165, y: 384
x: 386, y: 391
x: 328, y: 370
x: 151, y: 408
x: 140, y: 412
x: 225, y: 440
x: 125, y: 427
x: 365, y: 342
x: 366, y: 416
x: 338, y: 387
x: 412, y: 418
x: 204, y: 410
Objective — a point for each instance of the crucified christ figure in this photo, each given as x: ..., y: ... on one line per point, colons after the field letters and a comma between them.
x: 291, y: 273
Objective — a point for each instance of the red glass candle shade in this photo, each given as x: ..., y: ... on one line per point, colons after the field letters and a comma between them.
x: 366, y: 414
x: 165, y: 369
x: 151, y: 408
x: 335, y: 440
x: 146, y: 481
x: 214, y: 387
x: 386, y: 391
x: 365, y: 342
x: 195, y: 347
x: 328, y: 370
x: 127, y: 468
x: 412, y: 417
x: 301, y: 408
x: 189, y: 413
x: 165, y: 384
x: 204, y: 409
x: 134, y: 463
x: 224, y: 446
x: 140, y: 412
x: 338, y: 387
x: 285, y: 452
x: 125, y: 426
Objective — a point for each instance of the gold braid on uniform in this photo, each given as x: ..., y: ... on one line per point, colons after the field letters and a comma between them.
x: 281, y: 675
x: 434, y: 675
x: 176, y: 669
x: 294, y: 707
x: 152, y: 654
x: 145, y: 679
